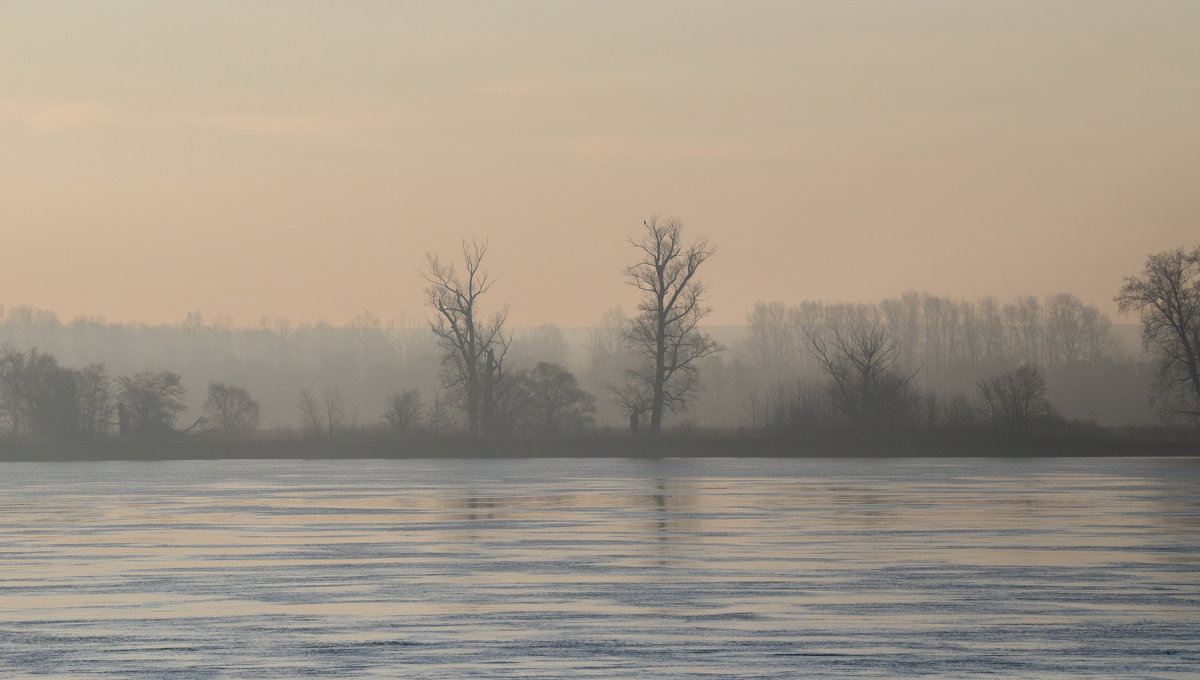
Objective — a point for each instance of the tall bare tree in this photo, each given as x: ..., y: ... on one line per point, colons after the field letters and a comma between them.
x: 665, y: 332
x: 1167, y: 295
x: 474, y: 346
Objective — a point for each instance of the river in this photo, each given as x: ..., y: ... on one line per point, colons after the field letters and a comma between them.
x: 604, y: 568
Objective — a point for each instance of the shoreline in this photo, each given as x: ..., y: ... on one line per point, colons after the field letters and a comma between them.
x: 668, y: 446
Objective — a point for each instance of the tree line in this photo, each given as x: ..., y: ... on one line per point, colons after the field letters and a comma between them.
x: 914, y: 361
x: 38, y: 397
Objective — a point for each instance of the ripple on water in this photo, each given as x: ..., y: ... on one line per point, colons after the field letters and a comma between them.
x: 602, y: 568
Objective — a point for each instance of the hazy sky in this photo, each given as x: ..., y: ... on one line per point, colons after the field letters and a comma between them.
x: 299, y: 159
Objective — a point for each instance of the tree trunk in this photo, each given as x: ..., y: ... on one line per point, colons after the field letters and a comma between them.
x: 660, y: 377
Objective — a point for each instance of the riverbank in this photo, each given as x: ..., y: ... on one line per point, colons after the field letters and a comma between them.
x: 899, y: 445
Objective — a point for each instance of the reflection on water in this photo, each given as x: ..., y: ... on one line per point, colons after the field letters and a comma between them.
x: 602, y: 568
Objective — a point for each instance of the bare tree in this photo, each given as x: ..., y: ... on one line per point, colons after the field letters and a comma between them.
x: 665, y: 331
x: 93, y: 390
x: 310, y: 413
x: 862, y: 363
x: 473, y: 347
x: 52, y: 396
x: 558, y: 404
x: 150, y: 402
x: 511, y: 404
x: 41, y: 397
x: 12, y: 397
x: 28, y: 382
x: 230, y: 410
x: 334, y: 407
x: 1167, y: 295
x: 39, y: 393
x: 633, y: 396
x: 438, y: 414
x: 1015, y: 401
x: 403, y: 410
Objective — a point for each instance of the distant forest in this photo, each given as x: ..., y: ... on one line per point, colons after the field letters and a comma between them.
x: 913, y: 361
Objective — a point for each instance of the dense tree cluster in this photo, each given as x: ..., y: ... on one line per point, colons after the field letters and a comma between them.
x: 39, y: 397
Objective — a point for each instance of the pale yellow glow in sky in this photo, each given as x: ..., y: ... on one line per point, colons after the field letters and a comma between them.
x: 299, y: 159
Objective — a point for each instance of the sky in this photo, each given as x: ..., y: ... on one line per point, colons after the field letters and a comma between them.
x: 300, y: 159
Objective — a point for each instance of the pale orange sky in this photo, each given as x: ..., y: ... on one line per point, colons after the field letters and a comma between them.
x: 299, y: 159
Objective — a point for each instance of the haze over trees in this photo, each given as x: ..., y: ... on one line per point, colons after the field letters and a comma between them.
x: 947, y: 346
x: 915, y: 361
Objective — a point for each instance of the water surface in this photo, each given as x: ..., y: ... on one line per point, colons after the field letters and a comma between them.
x: 750, y: 568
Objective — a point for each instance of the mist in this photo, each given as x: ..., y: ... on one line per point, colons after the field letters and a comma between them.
x: 599, y: 338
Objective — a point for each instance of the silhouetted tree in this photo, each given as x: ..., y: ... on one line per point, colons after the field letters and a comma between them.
x: 93, y: 389
x: 41, y: 397
x: 151, y: 402
x: 53, y: 400
x: 1167, y: 295
x: 334, y: 407
x: 311, y: 420
x: 861, y: 361
x: 438, y: 414
x: 511, y: 403
x: 40, y: 394
x: 1016, y: 401
x: 11, y: 397
x: 230, y: 410
x: 634, y: 398
x: 474, y: 348
x: 559, y: 406
x: 665, y: 332
x: 403, y: 411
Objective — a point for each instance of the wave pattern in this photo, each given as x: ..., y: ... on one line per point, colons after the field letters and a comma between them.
x: 677, y: 568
